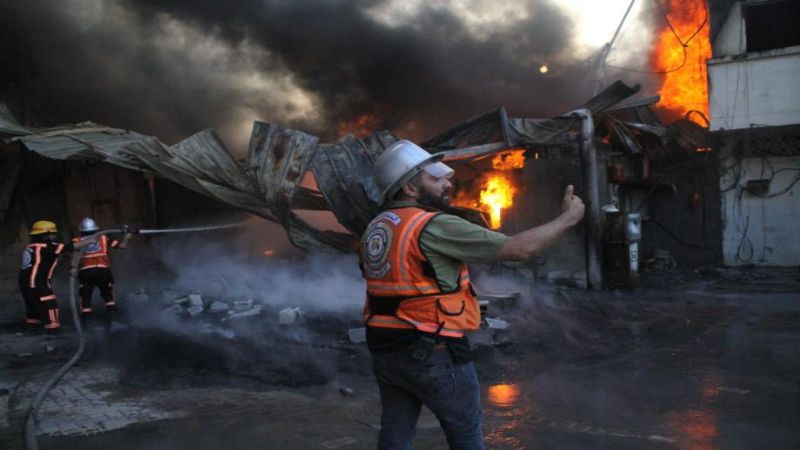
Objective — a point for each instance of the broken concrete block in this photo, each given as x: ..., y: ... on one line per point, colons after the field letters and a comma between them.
x: 496, y: 324
x: 256, y: 310
x: 243, y: 305
x: 218, y: 307
x: 195, y: 310
x: 195, y: 300
x: 291, y: 315
x: 357, y: 335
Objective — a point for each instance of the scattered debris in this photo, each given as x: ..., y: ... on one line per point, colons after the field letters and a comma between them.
x: 243, y: 305
x: 357, y: 335
x: 218, y: 307
x: 660, y: 260
x: 232, y: 315
x: 346, y: 391
x: 195, y: 310
x: 496, y: 324
x: 49, y: 348
x: 288, y: 316
x: 195, y: 300
x: 24, y: 354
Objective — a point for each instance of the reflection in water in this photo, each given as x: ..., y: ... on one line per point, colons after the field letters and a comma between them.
x: 503, y: 395
x: 515, y: 413
x: 697, y: 426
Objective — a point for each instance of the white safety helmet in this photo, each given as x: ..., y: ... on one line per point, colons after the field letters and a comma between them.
x: 400, y: 162
x: 88, y: 225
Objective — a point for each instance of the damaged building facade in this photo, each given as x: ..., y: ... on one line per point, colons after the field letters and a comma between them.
x: 755, y: 124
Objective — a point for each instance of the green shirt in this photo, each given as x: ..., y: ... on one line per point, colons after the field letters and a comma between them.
x: 447, y: 240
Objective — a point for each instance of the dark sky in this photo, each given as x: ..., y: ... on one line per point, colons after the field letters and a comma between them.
x: 172, y: 68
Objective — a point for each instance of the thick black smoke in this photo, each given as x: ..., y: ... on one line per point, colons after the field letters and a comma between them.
x: 171, y: 68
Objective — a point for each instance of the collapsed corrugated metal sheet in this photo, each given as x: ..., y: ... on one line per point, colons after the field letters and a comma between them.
x: 268, y: 182
x: 10, y: 165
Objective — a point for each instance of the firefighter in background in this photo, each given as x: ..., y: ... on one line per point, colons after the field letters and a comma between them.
x: 94, y: 267
x: 420, y: 301
x: 39, y: 260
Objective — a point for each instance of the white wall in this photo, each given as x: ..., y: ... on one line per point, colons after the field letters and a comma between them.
x: 762, y: 231
x: 731, y: 40
x: 755, y: 89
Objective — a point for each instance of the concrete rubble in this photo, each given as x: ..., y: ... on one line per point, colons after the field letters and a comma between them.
x: 288, y: 316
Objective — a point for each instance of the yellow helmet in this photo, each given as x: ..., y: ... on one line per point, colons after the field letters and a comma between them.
x: 42, y: 227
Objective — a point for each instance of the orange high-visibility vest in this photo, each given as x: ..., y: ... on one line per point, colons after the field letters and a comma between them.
x: 402, y: 291
x: 95, y: 255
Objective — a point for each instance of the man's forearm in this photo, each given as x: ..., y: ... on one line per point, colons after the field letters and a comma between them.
x: 530, y: 242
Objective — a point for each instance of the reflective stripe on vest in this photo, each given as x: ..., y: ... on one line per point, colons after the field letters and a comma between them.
x: 392, y: 262
x: 94, y: 255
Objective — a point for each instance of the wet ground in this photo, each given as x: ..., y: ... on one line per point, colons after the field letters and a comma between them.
x: 712, y: 362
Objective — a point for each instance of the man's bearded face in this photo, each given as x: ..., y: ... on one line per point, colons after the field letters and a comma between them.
x: 429, y: 198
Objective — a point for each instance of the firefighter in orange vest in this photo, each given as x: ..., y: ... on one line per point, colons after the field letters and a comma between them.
x: 420, y: 302
x: 94, y: 268
x: 39, y: 260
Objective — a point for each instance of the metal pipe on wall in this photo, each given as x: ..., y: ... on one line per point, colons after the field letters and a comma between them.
x: 594, y: 271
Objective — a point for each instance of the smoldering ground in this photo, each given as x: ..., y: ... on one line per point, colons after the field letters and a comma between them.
x: 170, y: 69
x: 167, y: 344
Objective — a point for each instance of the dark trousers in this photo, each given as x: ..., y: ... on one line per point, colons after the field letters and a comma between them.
x: 449, y: 390
x: 40, y: 306
x: 100, y: 278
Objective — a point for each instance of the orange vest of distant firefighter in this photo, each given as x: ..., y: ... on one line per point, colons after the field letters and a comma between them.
x: 402, y: 292
x: 95, y: 255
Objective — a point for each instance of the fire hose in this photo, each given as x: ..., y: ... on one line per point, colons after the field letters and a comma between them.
x: 31, y: 442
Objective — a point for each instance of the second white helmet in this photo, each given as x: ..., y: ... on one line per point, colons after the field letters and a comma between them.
x: 88, y: 225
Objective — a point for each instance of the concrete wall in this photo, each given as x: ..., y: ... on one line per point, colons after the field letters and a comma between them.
x: 730, y: 39
x: 757, y: 89
x: 750, y: 91
x: 761, y: 230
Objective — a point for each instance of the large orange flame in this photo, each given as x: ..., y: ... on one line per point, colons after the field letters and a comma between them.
x: 497, y: 191
x: 514, y: 159
x: 497, y: 195
x: 681, y: 51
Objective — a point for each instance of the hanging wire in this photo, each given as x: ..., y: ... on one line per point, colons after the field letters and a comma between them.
x: 684, y: 45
